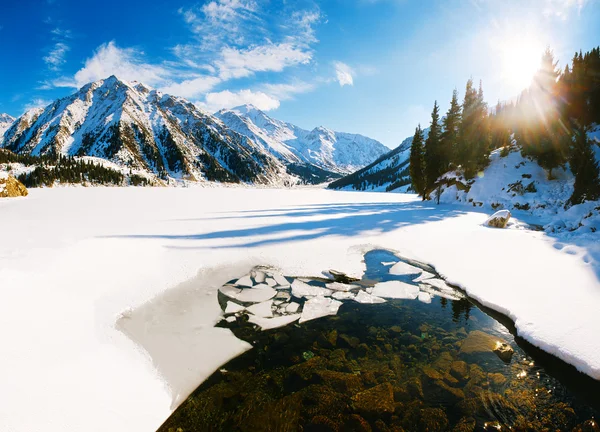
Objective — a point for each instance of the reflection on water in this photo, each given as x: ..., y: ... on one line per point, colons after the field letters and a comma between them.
x: 403, y: 365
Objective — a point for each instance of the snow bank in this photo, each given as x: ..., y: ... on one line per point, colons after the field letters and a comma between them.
x: 86, y: 274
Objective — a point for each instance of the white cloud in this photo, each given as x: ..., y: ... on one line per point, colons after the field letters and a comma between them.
x: 126, y: 63
x: 36, y: 103
x: 192, y: 88
x: 235, y: 63
x: 344, y: 74
x: 287, y: 91
x: 227, y: 99
x: 56, y: 56
x: 562, y: 8
x: 220, y: 22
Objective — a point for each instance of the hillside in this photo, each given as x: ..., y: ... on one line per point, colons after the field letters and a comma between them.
x: 144, y: 131
x: 388, y: 173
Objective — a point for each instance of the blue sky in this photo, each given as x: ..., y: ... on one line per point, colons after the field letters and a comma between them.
x: 373, y: 67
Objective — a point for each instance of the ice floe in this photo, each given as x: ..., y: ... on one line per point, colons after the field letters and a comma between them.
x: 424, y: 297
x: 403, y: 269
x: 301, y: 289
x: 263, y: 310
x: 318, y: 307
x: 395, y: 290
x: 364, y: 297
x: 233, y: 308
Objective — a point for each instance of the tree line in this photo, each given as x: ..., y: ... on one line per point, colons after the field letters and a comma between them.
x: 549, y: 121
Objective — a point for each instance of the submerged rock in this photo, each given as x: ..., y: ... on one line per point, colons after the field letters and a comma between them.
x: 478, y: 344
x: 498, y: 219
x: 10, y: 187
x: 376, y: 401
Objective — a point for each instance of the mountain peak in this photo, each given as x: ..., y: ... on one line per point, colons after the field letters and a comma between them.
x: 6, y: 118
x: 246, y: 109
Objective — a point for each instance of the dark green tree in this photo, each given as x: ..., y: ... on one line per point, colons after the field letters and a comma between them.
x: 584, y: 166
x: 417, y: 162
x: 434, y: 166
x: 449, y: 136
x: 469, y: 131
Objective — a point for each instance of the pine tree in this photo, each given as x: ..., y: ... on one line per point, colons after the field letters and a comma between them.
x: 433, y: 150
x: 467, y: 135
x: 584, y: 166
x: 417, y: 162
x: 449, y: 136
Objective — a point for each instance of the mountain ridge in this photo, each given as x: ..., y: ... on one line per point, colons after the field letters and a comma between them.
x: 339, y: 152
x: 163, y: 137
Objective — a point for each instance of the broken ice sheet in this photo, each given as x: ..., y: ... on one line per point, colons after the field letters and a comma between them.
x: 292, y: 307
x: 259, y: 276
x: 271, y: 323
x: 301, y: 289
x: 423, y: 276
x: 263, y: 310
x: 402, y: 269
x: 343, y: 295
x: 255, y: 295
x: 338, y: 286
x: 396, y: 290
x: 364, y: 297
x: 318, y: 307
x: 439, y: 284
x: 424, y: 297
x: 281, y: 280
x: 233, y: 307
x: 245, y: 281
x: 230, y: 291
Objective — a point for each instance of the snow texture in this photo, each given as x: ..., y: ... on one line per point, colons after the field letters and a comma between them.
x: 86, y: 272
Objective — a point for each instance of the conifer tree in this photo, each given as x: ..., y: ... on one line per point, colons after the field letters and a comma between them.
x: 468, y: 131
x: 584, y: 166
x: 417, y: 162
x: 449, y: 136
x: 433, y: 150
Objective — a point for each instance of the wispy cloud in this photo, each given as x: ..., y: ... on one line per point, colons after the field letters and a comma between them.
x: 286, y: 91
x: 562, y: 8
x: 230, y: 39
x: 56, y: 56
x: 236, y: 63
x: 220, y: 22
x: 344, y: 74
x: 229, y: 99
x: 36, y: 103
x: 126, y: 63
x: 192, y: 88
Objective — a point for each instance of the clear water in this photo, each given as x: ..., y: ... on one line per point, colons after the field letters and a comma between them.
x: 395, y: 366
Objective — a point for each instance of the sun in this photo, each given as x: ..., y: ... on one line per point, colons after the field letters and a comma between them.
x: 520, y: 59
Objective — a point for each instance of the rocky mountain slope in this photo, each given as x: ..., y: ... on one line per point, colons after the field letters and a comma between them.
x: 5, y: 122
x: 337, y: 152
x: 144, y: 131
x: 389, y: 172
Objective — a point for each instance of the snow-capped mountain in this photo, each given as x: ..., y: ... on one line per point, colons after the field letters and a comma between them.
x: 325, y: 149
x: 141, y: 129
x: 389, y: 172
x: 5, y: 122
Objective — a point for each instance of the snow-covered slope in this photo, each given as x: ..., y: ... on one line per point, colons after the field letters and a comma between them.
x: 323, y: 148
x: 389, y: 172
x: 518, y: 183
x: 5, y: 122
x: 142, y: 129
